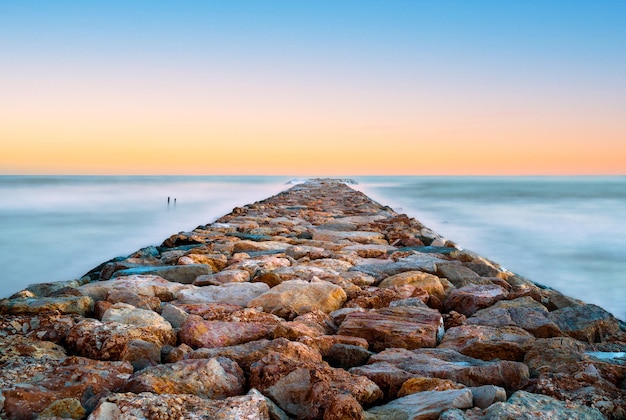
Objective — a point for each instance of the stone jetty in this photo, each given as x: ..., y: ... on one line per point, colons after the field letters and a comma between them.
x: 317, y: 303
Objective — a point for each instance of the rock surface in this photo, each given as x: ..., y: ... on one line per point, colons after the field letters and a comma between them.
x: 317, y: 303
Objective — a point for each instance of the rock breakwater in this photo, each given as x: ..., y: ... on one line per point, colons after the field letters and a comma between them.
x: 317, y: 303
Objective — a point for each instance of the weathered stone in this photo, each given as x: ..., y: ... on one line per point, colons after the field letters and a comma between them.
x: 259, y: 264
x: 234, y: 293
x: 127, y: 314
x: 143, y: 285
x: 346, y: 356
x: 131, y: 298
x: 353, y: 236
x: 66, y: 408
x: 141, y: 354
x: 311, y: 252
x: 588, y: 323
x: 421, y: 384
x: 246, y: 246
x: 80, y: 305
x: 415, y: 262
x: 311, y: 390
x: 214, y: 378
x: 375, y: 298
x: 248, y: 353
x: 457, y: 274
x: 523, y: 312
x: 371, y: 250
x: 445, y: 364
x: 47, y: 289
x: 227, y: 276
x: 30, y: 386
x: 423, y: 405
x: 174, y: 315
x: 196, y: 332
x: 107, y: 340
x: 405, y: 327
x: 296, y: 297
x: 484, y: 396
x: 488, y: 343
x: 49, y: 326
x: 130, y: 406
x: 216, y: 261
x: 425, y: 281
x: 185, y: 274
x: 469, y: 299
x: 527, y: 406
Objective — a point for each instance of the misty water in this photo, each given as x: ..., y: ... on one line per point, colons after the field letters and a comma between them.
x: 564, y: 232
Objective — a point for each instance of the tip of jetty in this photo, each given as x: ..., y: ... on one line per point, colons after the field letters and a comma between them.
x: 317, y: 303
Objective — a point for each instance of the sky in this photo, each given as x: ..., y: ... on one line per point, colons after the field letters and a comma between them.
x: 313, y: 87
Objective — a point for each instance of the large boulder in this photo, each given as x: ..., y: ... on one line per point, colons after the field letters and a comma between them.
x: 234, y: 293
x: 185, y: 274
x: 80, y: 305
x: 296, y: 297
x: 143, y: 285
x: 429, y: 282
x: 588, y: 323
x: 214, y: 378
x: 390, y: 368
x: 488, y: 343
x: 407, y: 327
x: 426, y: 405
x: 469, y: 299
x: 129, y: 406
x: 107, y: 340
x: 197, y: 332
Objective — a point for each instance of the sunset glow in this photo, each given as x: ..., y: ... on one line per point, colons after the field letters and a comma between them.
x: 313, y: 88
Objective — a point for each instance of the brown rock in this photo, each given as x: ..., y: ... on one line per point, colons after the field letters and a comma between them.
x: 80, y: 305
x: 231, y: 293
x: 143, y: 285
x: 296, y: 297
x: 141, y: 354
x: 469, y: 299
x: 425, y: 281
x: 445, y: 364
x: 227, y: 276
x: 130, y: 406
x: 588, y: 323
x: 30, y: 386
x: 488, y: 343
x: 404, y: 327
x: 151, y: 303
x: 214, y: 378
x: 421, y: 384
x: 196, y: 332
x: 48, y: 327
x: 427, y: 405
x: 311, y: 390
x: 107, y: 340
x: 457, y: 274
x: 374, y: 297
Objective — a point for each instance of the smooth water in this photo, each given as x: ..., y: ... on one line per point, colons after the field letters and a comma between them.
x: 567, y: 233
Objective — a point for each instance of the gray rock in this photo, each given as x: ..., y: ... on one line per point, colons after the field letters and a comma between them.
x: 422, y: 405
x: 526, y: 406
x: 185, y: 274
x: 416, y: 262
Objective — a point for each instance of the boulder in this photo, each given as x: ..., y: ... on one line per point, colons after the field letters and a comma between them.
x: 523, y: 312
x: 404, y: 327
x: 127, y: 314
x: 374, y: 297
x: 469, y: 299
x: 361, y: 237
x: 30, y: 386
x: 421, y: 384
x: 423, y: 405
x: 296, y: 297
x: 418, y: 261
x: 47, y: 326
x: 588, y: 323
x: 371, y: 250
x: 488, y: 343
x: 524, y: 405
x: 129, y: 406
x: 233, y: 293
x: 107, y: 340
x: 428, y: 282
x: 312, y: 390
x: 386, y: 368
x: 80, y: 305
x: 143, y: 285
x: 214, y: 378
x: 457, y: 274
x: 197, y: 332
x: 227, y: 276
x: 185, y: 274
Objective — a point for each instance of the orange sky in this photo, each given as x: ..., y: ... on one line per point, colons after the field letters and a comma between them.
x: 302, y: 94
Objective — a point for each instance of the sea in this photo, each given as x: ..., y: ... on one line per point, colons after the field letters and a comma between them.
x: 568, y: 233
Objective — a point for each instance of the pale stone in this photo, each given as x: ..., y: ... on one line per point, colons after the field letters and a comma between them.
x: 234, y: 293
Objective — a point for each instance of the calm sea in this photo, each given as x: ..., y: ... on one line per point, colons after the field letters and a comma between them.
x: 565, y: 232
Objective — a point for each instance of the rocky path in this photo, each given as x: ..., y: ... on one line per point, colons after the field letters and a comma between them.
x: 317, y: 303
